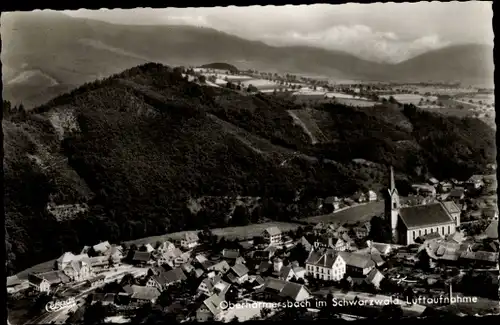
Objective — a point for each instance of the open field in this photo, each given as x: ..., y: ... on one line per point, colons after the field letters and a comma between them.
x: 362, y: 212
x: 244, y: 232
x: 39, y: 268
x: 410, y: 98
x: 355, y: 102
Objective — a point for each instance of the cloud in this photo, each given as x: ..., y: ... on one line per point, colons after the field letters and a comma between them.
x: 360, y: 40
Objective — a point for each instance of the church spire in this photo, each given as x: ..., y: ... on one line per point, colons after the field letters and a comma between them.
x: 392, y: 182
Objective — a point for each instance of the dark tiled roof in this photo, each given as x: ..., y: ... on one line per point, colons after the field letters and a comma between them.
x: 291, y: 290
x: 357, y: 260
x: 451, y: 207
x: 326, y: 259
x: 240, y: 270
x: 272, y: 231
x: 230, y: 253
x: 492, y: 230
x: 425, y: 215
x: 144, y: 293
x: 213, y: 303
x: 141, y: 256
x: 13, y: 281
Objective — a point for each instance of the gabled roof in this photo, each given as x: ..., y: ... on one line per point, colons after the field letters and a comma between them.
x: 102, y: 247
x: 141, y: 256
x: 375, y: 276
x: 425, y: 215
x: 475, y: 179
x: 356, y: 260
x: 273, y: 231
x: 326, y: 259
x: 144, y: 293
x: 220, y: 266
x: 492, y: 230
x: 451, y: 207
x: 274, y: 284
x: 264, y: 266
x: 66, y: 257
x: 285, y: 271
x: 13, y: 281
x: 149, y: 248
x: 190, y: 236
x: 291, y: 290
x: 456, y: 192
x: 174, y: 276
x: 230, y: 253
x: 213, y: 304
x: 240, y: 270
x: 430, y: 236
x: 480, y: 256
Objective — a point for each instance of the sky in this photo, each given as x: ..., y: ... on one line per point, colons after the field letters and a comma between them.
x: 385, y: 32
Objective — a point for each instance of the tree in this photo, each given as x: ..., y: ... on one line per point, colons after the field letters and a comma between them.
x: 391, y: 311
x: 264, y: 312
x: 240, y: 216
x: 380, y: 230
x: 165, y: 299
x: 424, y: 260
x: 202, y: 79
x: 327, y: 311
x: 94, y: 314
x: 299, y: 253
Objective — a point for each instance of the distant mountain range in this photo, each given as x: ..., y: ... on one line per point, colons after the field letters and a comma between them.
x: 48, y: 53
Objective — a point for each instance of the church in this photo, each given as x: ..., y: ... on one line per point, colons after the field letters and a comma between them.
x: 409, y: 223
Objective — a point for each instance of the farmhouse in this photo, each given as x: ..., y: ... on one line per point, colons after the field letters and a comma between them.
x: 411, y: 222
x: 144, y: 294
x: 326, y: 265
x: 165, y: 247
x: 372, y: 196
x: 475, y: 182
x: 165, y: 279
x: 272, y: 235
x: 102, y: 248
x: 209, y: 309
x: 97, y: 281
x: 338, y: 244
x: 357, y: 264
x: 39, y: 283
x: 189, y: 240
x: 276, y: 289
x: 238, y: 274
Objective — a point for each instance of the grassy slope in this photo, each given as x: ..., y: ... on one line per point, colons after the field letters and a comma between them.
x: 146, y: 144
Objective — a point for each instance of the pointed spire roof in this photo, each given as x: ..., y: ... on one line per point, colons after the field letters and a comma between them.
x: 393, y: 183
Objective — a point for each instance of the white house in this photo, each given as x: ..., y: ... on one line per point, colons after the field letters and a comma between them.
x: 325, y: 265
x: 372, y: 196
x: 189, y: 240
x: 166, y: 246
x: 102, y: 247
x: 272, y: 235
x: 238, y: 273
x: 39, y: 283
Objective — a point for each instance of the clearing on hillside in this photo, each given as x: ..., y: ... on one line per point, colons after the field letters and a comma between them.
x: 362, y: 212
x: 305, y: 119
x: 244, y: 232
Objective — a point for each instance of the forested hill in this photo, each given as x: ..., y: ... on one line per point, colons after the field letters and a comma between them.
x: 127, y: 156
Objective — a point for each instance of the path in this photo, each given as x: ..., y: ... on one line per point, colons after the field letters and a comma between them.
x: 300, y: 123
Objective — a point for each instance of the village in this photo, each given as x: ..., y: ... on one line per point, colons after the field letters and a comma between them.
x: 436, y: 255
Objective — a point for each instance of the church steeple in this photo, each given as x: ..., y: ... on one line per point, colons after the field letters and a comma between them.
x: 392, y: 204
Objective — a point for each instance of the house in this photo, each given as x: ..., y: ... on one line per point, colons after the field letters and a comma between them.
x: 373, y: 253
x: 230, y: 254
x: 357, y: 264
x: 189, y: 240
x: 164, y: 279
x: 69, y: 257
x: 240, y: 260
x: 96, y: 281
x: 325, y: 265
x: 456, y: 237
x: 256, y: 280
x: 272, y: 235
x: 165, y: 247
x: 238, y: 274
x: 445, y: 187
x: 277, y: 289
x: 491, y: 213
x: 109, y: 298
x: 102, y: 247
x: 148, y: 248
x: 187, y: 268
x: 277, y: 264
x: 330, y: 242
x: 372, y: 196
x: 115, y: 253
x: 200, y: 258
x: 300, y: 272
x: 424, y: 189
x: 360, y: 232
x: 39, y: 283
x: 14, y: 284
x: 475, y: 182
x: 331, y: 203
x: 213, y: 285
x: 286, y: 273
x: 457, y: 194
x: 305, y: 243
x: 174, y: 258
x: 264, y: 267
x: 480, y: 257
x: 359, y: 197
x: 79, y: 270
x: 221, y: 267
x: 433, y: 181
x: 141, y: 258
x: 209, y: 309
x: 144, y: 294
x: 492, y: 230
x: 428, y: 237
x: 262, y: 255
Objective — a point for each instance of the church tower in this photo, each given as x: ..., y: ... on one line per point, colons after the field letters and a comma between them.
x: 392, y: 205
